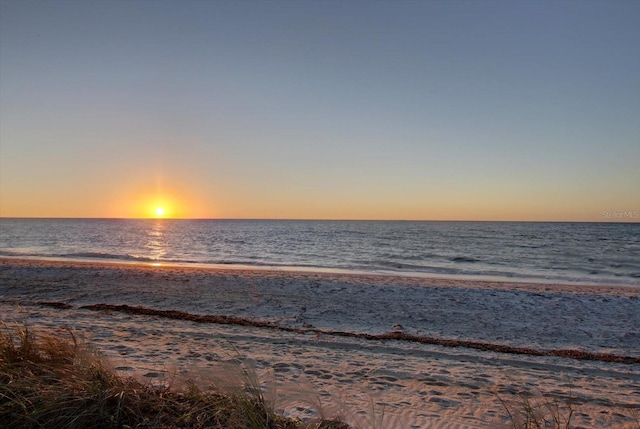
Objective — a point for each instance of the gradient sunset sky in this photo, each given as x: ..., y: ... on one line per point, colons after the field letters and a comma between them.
x: 463, y: 110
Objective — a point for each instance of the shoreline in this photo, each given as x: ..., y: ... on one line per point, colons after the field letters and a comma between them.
x: 373, y: 375
x: 425, y: 279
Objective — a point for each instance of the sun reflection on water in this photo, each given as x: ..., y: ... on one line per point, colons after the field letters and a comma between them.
x: 156, y: 245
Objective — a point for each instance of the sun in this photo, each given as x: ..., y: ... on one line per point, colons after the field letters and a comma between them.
x: 158, y: 207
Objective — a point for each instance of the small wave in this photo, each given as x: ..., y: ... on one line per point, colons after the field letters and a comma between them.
x: 9, y: 253
x: 389, y: 266
x: 239, y: 262
x: 268, y: 264
x: 99, y: 255
x: 464, y: 259
x: 409, y: 257
x: 394, y: 265
x: 127, y: 258
x: 410, y: 269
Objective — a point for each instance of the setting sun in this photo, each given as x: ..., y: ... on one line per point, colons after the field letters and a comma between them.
x: 163, y: 204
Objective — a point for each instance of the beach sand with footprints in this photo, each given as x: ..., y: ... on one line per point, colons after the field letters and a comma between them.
x: 380, y: 351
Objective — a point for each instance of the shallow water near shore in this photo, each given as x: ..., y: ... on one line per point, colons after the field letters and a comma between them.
x: 594, y: 253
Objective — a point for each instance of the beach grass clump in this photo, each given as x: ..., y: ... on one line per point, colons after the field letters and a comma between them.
x: 539, y: 411
x: 535, y: 410
x: 54, y: 381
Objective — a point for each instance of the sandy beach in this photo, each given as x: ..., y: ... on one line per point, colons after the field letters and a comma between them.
x: 381, y: 351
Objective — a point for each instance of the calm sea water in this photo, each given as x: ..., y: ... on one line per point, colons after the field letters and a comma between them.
x: 561, y: 252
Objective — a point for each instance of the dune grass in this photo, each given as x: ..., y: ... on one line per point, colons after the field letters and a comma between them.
x: 539, y: 412
x: 54, y: 381
x: 534, y: 409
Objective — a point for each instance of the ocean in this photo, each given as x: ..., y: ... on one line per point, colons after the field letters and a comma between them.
x: 600, y: 253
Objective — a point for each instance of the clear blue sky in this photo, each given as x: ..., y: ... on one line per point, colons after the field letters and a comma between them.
x: 524, y: 110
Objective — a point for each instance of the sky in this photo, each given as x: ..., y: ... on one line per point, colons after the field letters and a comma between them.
x: 425, y: 110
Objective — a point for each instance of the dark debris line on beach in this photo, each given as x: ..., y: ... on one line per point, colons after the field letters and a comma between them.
x: 394, y: 335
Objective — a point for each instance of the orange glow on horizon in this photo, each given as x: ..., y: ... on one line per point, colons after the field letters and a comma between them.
x: 159, y: 206
x: 176, y: 202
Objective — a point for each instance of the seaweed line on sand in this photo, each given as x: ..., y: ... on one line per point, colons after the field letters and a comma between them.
x: 393, y: 335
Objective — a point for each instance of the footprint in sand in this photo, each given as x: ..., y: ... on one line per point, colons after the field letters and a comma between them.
x: 320, y: 374
x: 125, y: 368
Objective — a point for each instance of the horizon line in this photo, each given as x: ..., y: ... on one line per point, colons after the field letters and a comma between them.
x: 318, y: 219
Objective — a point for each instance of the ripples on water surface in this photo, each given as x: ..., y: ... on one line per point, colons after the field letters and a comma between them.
x: 568, y: 252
